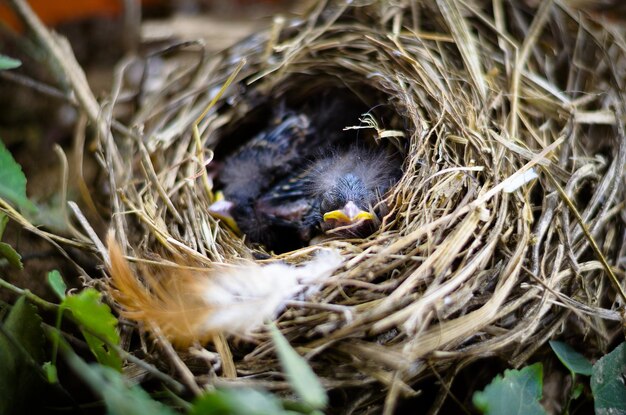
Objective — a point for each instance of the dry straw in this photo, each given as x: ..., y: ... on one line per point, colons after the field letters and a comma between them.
x: 478, y: 257
x: 506, y: 229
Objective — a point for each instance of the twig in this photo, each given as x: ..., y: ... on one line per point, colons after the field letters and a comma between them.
x: 29, y: 295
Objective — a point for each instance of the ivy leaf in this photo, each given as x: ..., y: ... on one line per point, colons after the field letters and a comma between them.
x: 517, y: 393
x: 8, y: 63
x: 21, y: 352
x: 299, y: 374
x: 607, y: 383
x: 13, y: 182
x: 574, y: 361
x: 237, y: 402
x: 55, y: 280
x: 96, y: 318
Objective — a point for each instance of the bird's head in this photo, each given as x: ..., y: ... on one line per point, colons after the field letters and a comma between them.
x: 346, y: 207
x: 350, y: 187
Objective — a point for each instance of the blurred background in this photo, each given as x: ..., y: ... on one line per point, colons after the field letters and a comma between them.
x: 36, y: 114
x: 101, y: 32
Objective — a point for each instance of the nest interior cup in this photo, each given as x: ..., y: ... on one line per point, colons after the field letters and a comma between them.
x: 304, y: 161
x: 508, y: 123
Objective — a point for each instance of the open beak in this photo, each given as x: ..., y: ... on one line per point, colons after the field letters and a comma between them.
x: 348, y: 215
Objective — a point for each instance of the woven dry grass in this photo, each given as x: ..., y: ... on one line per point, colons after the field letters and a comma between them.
x: 465, y: 266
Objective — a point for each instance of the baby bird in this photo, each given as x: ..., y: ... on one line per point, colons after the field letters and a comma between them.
x: 348, y: 188
x: 277, y: 197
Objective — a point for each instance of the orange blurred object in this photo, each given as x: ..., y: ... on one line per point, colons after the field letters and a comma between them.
x: 53, y: 12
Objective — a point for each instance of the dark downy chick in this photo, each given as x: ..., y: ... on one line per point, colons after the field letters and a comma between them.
x: 266, y: 158
x: 348, y: 188
x: 254, y: 170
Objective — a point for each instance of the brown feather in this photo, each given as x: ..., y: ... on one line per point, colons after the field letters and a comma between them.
x: 191, y: 305
x: 173, y: 302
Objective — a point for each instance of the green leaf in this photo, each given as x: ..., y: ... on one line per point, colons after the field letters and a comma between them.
x: 11, y: 255
x: 55, y: 280
x: 237, y: 402
x: 299, y: 374
x: 24, y: 324
x: 8, y: 63
x: 13, y: 182
x: 577, y: 390
x: 574, y: 361
x: 517, y: 393
x: 96, y: 318
x: 120, y: 397
x: 6, y: 250
x: 21, y: 352
x: 105, y: 355
x: 51, y: 372
x: 607, y: 383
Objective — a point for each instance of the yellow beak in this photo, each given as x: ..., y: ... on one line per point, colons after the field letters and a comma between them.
x: 349, y: 214
x: 220, y: 209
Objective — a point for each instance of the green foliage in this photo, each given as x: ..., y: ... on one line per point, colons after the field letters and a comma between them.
x: 237, y: 402
x: 299, y: 374
x: 13, y: 182
x: 97, y: 323
x: 21, y: 352
x: 577, y: 364
x: 607, y: 383
x: 55, y: 280
x: 8, y: 63
x: 6, y: 251
x: 120, y: 397
x: 50, y: 370
x: 574, y: 361
x: 518, y: 392
x: 13, y: 191
x: 577, y: 390
x: 245, y: 401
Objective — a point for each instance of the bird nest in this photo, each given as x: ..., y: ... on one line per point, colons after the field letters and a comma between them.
x: 506, y: 228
